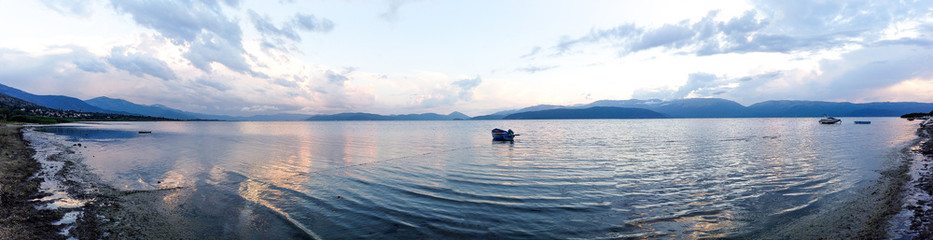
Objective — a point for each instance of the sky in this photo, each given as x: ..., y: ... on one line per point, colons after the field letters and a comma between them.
x: 243, y: 58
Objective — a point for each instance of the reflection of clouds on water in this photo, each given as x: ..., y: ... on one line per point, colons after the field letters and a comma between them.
x: 561, y: 179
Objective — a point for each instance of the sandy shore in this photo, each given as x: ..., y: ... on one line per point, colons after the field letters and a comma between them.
x: 20, y: 218
x: 104, y: 212
x: 922, y: 219
x: 111, y: 215
x: 866, y: 216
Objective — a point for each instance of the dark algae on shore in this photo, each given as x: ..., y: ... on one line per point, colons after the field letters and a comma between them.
x: 29, y: 209
x: 921, y: 223
x: 112, y: 214
x: 19, y: 218
x: 196, y: 211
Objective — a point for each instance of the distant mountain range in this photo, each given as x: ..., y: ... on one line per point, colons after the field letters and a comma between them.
x: 377, y: 117
x: 721, y: 108
x: 681, y: 108
x: 18, y: 110
x: 159, y: 110
x: 588, y: 113
x: 132, y: 108
x: 120, y: 106
x: 52, y: 101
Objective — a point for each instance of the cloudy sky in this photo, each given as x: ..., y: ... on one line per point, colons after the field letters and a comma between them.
x: 240, y: 57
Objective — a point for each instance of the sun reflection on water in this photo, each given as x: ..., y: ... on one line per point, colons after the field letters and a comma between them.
x: 673, y: 178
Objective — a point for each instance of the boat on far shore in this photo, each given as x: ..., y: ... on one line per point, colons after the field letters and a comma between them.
x: 926, y: 122
x: 829, y: 120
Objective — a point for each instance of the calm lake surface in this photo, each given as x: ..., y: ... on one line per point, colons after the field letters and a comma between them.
x: 681, y: 178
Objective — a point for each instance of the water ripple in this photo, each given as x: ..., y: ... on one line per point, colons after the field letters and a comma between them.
x: 596, y: 179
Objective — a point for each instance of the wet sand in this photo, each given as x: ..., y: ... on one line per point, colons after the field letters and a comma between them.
x: 178, y: 213
x: 19, y: 218
x: 105, y: 212
x: 110, y: 214
x: 866, y: 216
x: 920, y: 223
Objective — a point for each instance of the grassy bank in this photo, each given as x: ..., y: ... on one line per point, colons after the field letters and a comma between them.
x: 19, y: 218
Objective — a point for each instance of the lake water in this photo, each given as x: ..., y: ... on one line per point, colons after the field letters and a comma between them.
x: 680, y: 178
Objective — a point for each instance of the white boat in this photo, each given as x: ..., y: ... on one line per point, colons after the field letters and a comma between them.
x: 829, y: 120
x: 926, y: 122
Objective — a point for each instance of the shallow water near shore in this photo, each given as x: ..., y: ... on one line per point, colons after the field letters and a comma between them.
x: 660, y: 178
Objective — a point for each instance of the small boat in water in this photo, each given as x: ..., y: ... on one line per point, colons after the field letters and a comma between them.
x: 862, y: 122
x: 145, y: 132
x: 829, y: 120
x: 503, y: 135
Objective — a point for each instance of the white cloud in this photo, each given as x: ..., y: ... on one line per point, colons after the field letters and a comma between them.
x: 74, y: 7
x: 138, y: 64
x: 233, y: 57
x: 202, y: 26
x: 259, y: 108
x: 392, y: 13
x: 309, y: 22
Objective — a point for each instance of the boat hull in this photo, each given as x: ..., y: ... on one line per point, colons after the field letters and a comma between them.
x: 502, y: 135
x: 829, y: 120
x: 925, y: 123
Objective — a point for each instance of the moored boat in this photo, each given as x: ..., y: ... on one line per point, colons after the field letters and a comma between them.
x: 829, y: 120
x: 503, y: 135
x: 926, y: 122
